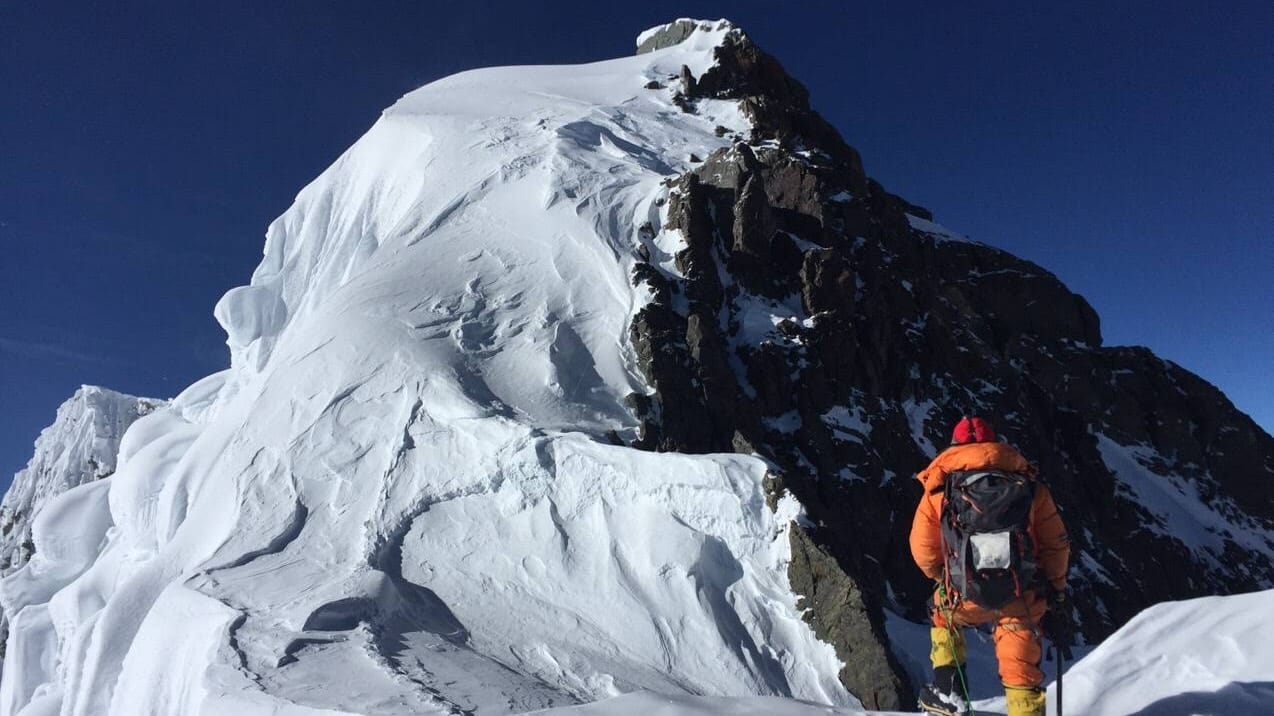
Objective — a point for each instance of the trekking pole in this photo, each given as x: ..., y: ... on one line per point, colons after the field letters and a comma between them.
x: 1061, y: 667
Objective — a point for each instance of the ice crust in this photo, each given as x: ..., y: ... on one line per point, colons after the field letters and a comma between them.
x: 402, y: 498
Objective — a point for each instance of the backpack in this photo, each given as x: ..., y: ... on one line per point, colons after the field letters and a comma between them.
x: 990, y: 557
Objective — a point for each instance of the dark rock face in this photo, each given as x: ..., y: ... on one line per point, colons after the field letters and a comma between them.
x: 840, y: 616
x: 830, y: 327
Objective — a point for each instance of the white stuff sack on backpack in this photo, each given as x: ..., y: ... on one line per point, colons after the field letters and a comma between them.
x: 992, y: 550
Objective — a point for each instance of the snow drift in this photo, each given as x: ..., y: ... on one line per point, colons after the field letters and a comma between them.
x: 1213, y: 655
x: 402, y: 497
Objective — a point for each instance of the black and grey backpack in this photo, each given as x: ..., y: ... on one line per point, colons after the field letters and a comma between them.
x: 990, y: 557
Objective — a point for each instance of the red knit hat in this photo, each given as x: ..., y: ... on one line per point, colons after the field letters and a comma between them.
x: 972, y: 430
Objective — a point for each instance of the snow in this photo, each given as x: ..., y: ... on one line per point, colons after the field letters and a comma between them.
x: 848, y: 424
x: 651, y: 704
x: 1093, y: 568
x: 918, y: 414
x: 401, y: 498
x: 759, y: 317
x: 250, y: 313
x: 80, y: 446
x: 788, y: 422
x: 1202, y: 656
x: 625, y: 532
x: 939, y: 233
x: 699, y: 46
x: 758, y: 320
x: 1176, y: 506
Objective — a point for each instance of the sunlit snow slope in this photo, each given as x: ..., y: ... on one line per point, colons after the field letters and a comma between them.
x: 1209, y: 657
x: 1213, y: 655
x: 401, y: 498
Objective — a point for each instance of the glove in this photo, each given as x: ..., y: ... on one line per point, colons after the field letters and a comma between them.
x: 1057, y: 624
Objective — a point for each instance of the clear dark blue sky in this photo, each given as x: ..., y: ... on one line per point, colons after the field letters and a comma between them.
x: 144, y: 147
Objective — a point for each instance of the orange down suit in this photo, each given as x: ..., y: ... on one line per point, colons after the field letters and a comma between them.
x: 1017, y: 641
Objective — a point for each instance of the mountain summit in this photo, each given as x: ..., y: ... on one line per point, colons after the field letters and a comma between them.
x: 569, y: 381
x: 410, y: 492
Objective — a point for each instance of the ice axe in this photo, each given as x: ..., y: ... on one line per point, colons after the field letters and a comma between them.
x: 1061, y: 634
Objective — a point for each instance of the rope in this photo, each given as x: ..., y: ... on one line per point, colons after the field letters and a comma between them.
x: 950, y: 619
x: 942, y: 601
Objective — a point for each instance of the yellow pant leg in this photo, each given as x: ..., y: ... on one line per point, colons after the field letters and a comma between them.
x: 1024, y: 702
x: 948, y: 646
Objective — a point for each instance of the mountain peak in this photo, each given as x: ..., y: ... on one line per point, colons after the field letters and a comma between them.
x: 80, y: 446
x: 564, y: 382
x: 418, y: 471
x: 707, y: 33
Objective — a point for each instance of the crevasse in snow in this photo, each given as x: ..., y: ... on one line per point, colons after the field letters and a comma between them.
x: 400, y: 498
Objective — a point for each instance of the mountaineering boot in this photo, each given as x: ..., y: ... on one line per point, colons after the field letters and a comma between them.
x: 945, y: 695
x: 1023, y: 701
x: 933, y: 701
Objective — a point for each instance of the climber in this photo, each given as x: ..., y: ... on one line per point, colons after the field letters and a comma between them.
x: 988, y: 533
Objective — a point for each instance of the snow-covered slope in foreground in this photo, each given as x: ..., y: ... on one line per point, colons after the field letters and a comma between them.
x: 401, y: 498
x: 650, y: 704
x: 1203, y: 656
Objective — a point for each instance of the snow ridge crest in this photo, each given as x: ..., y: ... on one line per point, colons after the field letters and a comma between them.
x: 413, y: 490
x: 673, y: 33
x: 80, y: 446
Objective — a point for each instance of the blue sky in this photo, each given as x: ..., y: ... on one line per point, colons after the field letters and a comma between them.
x: 145, y: 146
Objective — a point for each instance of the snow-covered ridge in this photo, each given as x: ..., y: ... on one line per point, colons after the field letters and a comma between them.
x: 702, y: 36
x: 79, y: 447
x: 400, y: 498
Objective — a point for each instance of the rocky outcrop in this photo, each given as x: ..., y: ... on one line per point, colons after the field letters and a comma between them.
x: 839, y: 613
x: 831, y: 327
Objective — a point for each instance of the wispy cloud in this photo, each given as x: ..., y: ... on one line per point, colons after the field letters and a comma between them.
x: 43, y: 350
